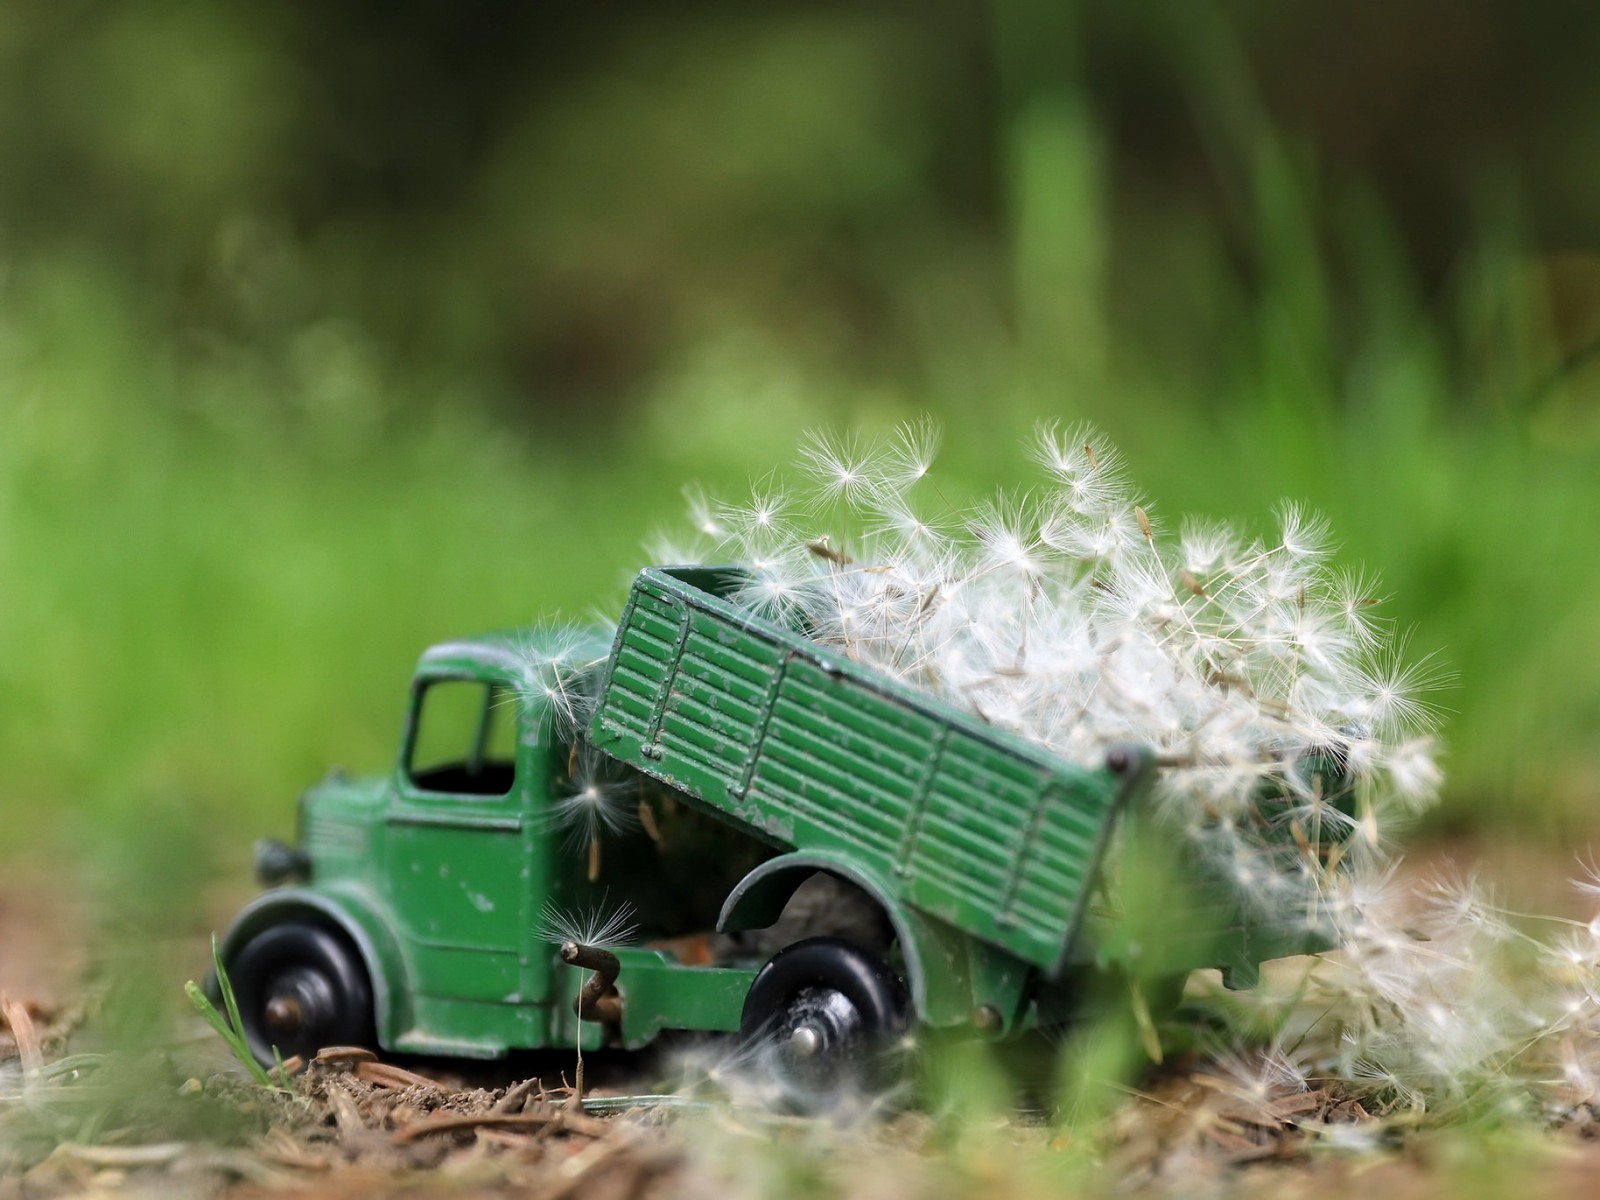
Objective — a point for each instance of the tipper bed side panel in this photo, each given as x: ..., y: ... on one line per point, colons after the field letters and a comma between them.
x: 689, y: 687
x: 796, y: 743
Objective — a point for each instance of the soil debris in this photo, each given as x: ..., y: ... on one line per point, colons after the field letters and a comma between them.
x: 345, y: 1123
x: 34, y: 1031
x: 1195, y: 1121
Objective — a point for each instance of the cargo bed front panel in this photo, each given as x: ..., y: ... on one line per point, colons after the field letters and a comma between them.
x: 977, y: 828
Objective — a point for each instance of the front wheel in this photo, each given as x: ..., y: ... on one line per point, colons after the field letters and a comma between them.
x: 300, y: 988
x: 825, y: 1018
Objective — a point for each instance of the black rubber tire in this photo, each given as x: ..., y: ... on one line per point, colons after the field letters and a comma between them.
x: 317, y: 970
x: 854, y: 1007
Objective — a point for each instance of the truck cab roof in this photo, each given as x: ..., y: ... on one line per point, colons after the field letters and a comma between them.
x: 491, y: 657
x: 507, y: 655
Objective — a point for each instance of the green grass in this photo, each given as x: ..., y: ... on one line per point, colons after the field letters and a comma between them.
x: 230, y: 1028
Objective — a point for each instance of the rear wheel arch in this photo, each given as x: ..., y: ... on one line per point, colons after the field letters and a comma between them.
x: 936, y: 971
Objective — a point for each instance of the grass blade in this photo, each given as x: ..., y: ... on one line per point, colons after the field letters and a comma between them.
x: 231, y: 1028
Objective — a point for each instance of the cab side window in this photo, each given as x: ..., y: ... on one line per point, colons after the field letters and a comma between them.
x: 465, y: 739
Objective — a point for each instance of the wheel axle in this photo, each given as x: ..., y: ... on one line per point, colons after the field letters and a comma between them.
x: 805, y: 1041
x: 283, y: 1015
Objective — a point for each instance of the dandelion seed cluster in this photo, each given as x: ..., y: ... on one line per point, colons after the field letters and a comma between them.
x: 1068, y: 615
x: 1061, y: 614
x: 1443, y: 1001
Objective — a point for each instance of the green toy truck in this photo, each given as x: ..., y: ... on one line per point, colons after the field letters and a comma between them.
x: 826, y: 858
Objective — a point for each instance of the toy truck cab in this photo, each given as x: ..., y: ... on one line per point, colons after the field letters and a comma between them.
x: 408, y: 914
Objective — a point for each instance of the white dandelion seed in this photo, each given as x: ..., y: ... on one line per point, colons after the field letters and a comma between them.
x: 910, y: 456
x: 841, y: 466
x: 557, y: 672
x: 598, y: 797
x: 600, y: 924
x: 702, y: 514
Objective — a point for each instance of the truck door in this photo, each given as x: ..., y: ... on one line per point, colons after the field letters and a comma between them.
x: 457, y: 844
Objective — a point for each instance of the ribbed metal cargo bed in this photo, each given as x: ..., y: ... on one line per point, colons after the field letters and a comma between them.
x: 809, y: 750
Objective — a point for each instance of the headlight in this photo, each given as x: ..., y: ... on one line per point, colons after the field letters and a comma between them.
x: 278, y: 863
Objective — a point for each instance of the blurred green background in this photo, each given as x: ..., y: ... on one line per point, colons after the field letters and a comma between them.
x: 330, y: 330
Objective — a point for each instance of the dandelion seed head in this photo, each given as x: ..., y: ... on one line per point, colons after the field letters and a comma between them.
x: 1415, y: 772
x: 759, y: 521
x: 841, y: 466
x: 1305, y: 535
x: 598, y: 798
x: 892, y: 518
x: 1205, y: 546
x: 598, y: 924
x: 1002, y: 531
x: 911, y: 453
x: 1085, y: 469
x: 557, y: 671
x: 702, y: 514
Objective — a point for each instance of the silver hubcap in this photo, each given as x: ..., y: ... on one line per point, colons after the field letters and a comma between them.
x: 805, y: 1041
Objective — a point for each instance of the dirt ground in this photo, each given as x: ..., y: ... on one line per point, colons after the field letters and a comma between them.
x: 181, y: 1119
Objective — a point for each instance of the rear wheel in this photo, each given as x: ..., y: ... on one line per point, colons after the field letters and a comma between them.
x: 300, y: 988
x: 825, y: 1018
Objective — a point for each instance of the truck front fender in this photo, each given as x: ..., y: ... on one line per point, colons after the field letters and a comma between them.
x: 349, y: 912
x: 937, y: 972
